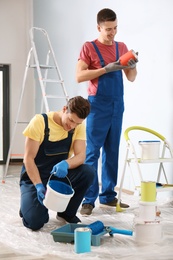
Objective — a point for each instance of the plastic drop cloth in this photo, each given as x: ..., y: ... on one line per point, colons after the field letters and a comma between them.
x: 41, y: 243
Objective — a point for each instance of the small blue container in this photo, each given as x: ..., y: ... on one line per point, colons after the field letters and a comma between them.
x: 82, y: 240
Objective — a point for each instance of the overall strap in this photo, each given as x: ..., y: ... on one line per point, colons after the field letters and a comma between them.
x: 117, y: 52
x: 99, y: 54
x: 46, y: 130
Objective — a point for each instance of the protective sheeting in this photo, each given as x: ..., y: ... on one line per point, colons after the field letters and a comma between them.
x: 14, y: 235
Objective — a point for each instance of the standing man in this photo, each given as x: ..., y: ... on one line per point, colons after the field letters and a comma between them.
x: 99, y: 64
x: 55, y: 144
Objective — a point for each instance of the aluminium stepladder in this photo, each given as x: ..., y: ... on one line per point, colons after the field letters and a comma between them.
x: 131, y: 157
x: 49, y: 68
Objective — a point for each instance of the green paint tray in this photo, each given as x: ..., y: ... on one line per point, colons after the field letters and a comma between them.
x: 66, y: 234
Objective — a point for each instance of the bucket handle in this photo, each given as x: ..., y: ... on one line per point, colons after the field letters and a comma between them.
x: 65, y: 177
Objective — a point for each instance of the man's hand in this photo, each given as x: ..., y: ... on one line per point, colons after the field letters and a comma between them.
x: 131, y: 64
x: 60, y: 169
x: 40, y: 192
x: 114, y: 66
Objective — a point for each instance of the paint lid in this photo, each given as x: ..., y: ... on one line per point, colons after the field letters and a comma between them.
x: 82, y: 229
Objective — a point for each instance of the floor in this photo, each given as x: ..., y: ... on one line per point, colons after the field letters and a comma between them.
x: 17, y: 242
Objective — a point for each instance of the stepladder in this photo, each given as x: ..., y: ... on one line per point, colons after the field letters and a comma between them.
x: 41, y: 57
x: 156, y: 151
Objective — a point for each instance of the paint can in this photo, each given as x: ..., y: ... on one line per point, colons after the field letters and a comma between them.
x: 147, y: 211
x: 58, y: 195
x: 128, y: 56
x: 150, y: 149
x: 148, y: 232
x: 82, y: 240
x: 148, y: 191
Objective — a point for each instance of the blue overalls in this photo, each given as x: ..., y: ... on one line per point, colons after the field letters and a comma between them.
x: 104, y: 125
x: 34, y: 214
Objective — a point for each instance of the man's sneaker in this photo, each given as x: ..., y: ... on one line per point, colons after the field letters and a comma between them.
x: 68, y: 219
x: 113, y: 203
x: 86, y: 209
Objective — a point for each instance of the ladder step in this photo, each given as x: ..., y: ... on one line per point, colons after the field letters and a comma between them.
x: 43, y: 66
x: 53, y: 96
x: 52, y: 80
x: 20, y: 122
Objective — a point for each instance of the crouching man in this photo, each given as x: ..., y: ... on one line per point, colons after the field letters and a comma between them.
x: 55, y: 144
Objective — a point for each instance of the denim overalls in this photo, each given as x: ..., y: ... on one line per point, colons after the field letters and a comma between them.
x: 104, y: 125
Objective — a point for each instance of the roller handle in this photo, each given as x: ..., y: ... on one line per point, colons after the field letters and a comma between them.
x: 120, y: 231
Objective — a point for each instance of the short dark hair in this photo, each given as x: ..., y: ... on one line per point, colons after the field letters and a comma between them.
x: 79, y: 105
x: 105, y: 15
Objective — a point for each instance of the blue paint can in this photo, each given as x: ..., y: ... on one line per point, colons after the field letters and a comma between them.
x: 82, y: 240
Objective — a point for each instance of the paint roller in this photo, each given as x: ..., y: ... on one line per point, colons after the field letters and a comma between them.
x: 98, y: 227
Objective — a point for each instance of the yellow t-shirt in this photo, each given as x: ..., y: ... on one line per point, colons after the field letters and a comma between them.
x: 35, y: 130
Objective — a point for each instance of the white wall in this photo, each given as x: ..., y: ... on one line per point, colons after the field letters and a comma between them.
x: 145, y: 26
x: 15, y: 21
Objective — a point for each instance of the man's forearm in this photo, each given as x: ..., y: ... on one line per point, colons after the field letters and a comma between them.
x: 32, y: 171
x: 85, y: 75
x: 76, y: 160
x: 131, y: 74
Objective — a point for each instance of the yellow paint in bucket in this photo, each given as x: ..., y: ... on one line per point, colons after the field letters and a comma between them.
x: 148, y: 191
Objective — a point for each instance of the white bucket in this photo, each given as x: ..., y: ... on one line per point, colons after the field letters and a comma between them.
x: 147, y: 211
x: 58, y: 195
x: 148, y: 232
x: 150, y: 149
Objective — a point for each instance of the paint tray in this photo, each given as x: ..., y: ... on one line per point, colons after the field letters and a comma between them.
x: 66, y: 234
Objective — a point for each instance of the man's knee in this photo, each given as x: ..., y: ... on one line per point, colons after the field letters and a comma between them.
x: 35, y: 220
